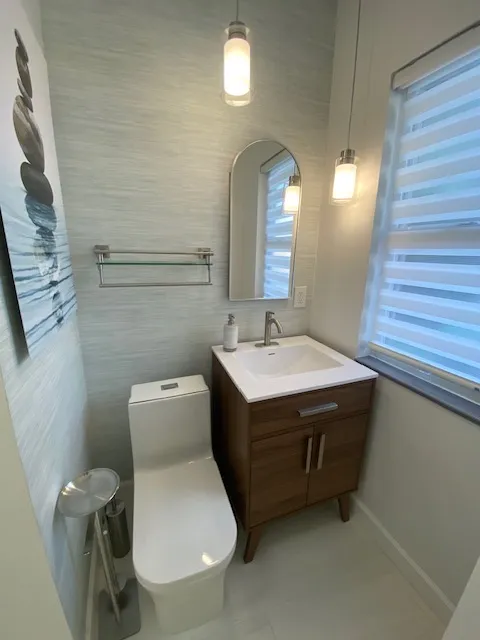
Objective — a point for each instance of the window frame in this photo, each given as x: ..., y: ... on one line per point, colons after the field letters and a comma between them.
x: 267, y: 168
x: 443, y: 388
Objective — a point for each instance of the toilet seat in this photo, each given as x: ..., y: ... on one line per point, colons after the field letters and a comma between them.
x: 184, y: 529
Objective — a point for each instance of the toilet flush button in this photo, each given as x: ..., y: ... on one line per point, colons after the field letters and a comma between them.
x: 167, y: 387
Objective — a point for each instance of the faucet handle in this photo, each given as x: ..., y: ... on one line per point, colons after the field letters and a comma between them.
x: 269, y: 314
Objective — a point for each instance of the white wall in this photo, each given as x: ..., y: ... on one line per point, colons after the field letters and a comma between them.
x: 465, y: 622
x: 422, y: 471
x: 145, y: 147
x: 33, y: 11
x: 47, y: 401
x: 29, y: 603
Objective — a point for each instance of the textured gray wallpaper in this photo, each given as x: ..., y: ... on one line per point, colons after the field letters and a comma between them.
x: 48, y: 406
x: 145, y: 146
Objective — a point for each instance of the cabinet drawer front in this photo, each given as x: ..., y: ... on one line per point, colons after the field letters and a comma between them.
x: 279, y: 474
x: 271, y: 416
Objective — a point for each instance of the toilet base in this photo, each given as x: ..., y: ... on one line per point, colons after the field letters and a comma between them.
x: 191, y: 605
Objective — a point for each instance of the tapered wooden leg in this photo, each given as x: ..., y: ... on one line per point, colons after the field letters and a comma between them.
x: 344, y: 505
x: 253, y: 539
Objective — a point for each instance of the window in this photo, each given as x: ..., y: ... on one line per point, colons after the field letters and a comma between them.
x: 422, y: 309
x: 279, y: 230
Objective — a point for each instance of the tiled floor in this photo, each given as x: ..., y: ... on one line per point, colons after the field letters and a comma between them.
x: 313, y: 578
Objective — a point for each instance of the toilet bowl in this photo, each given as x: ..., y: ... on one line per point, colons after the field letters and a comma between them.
x: 184, y: 531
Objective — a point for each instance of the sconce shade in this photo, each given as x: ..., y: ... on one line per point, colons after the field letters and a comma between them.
x: 236, y: 66
x: 345, y: 179
x: 291, y: 201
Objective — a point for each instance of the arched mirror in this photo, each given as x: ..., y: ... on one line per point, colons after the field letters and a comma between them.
x: 265, y: 197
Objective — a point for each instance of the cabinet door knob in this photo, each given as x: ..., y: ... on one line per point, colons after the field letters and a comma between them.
x: 321, y: 451
x: 308, y: 461
x: 321, y: 408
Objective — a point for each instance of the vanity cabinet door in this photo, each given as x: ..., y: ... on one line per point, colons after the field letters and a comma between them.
x: 337, y: 457
x: 280, y: 468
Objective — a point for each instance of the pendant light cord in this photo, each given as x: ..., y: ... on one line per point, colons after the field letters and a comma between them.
x: 238, y: 9
x: 354, y: 71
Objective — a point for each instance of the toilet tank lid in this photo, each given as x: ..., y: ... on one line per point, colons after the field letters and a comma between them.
x: 163, y: 389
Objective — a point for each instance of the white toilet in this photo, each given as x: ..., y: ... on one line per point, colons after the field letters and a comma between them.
x: 184, y: 531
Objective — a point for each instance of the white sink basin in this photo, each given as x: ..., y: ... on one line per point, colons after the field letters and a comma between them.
x: 296, y: 365
x: 275, y: 362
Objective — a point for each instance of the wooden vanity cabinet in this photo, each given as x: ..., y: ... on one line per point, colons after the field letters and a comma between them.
x: 281, y: 455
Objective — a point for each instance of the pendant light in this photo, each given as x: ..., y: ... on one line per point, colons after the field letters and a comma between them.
x: 345, y: 178
x: 291, y: 200
x: 236, y: 64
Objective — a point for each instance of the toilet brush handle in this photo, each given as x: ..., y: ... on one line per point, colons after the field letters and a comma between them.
x: 108, y: 566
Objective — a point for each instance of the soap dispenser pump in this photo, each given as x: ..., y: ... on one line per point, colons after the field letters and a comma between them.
x: 230, y: 334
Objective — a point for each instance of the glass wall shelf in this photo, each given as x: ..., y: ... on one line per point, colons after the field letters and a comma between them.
x: 200, y: 258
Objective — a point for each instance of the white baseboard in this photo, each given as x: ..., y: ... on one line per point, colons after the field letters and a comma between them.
x: 91, y: 616
x: 430, y: 593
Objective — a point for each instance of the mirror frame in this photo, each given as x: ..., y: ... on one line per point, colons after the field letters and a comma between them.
x: 295, y: 231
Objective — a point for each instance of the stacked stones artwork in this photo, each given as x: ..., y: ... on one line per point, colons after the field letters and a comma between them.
x: 39, y: 198
x: 38, y: 251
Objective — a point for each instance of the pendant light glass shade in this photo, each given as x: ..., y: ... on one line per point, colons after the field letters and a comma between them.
x: 345, y: 179
x: 291, y: 201
x: 236, y: 66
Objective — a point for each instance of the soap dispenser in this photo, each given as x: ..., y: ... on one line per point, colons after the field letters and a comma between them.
x: 230, y: 334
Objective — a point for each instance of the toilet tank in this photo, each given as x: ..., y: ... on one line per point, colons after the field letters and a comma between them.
x: 169, y: 422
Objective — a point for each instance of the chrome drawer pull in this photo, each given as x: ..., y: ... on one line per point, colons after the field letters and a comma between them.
x: 321, y: 408
x: 309, y: 455
x: 321, y: 451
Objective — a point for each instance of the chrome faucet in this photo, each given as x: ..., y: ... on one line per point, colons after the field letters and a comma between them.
x: 267, y: 338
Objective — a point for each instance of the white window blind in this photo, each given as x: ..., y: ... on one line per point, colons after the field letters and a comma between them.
x: 424, y: 298
x: 279, y: 230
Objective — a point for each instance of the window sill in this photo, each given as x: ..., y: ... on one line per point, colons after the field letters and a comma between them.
x: 461, y: 406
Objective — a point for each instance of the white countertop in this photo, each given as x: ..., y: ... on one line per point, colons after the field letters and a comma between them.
x: 255, y: 387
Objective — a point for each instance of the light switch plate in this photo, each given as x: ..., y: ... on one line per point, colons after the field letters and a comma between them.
x: 300, y: 297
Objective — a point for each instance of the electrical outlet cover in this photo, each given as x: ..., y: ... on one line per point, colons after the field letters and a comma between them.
x: 300, y: 297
